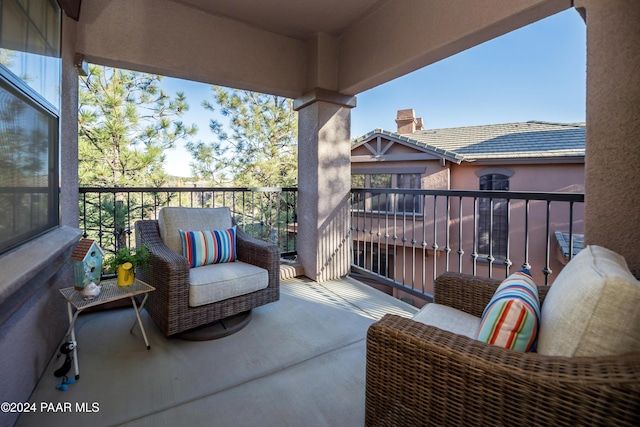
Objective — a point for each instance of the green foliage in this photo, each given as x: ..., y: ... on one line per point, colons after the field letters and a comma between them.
x: 139, y: 257
x: 258, y: 146
x: 125, y: 124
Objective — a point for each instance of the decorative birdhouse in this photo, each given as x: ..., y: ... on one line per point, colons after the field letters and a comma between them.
x: 87, y: 263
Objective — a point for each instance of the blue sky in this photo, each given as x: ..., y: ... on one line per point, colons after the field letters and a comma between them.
x: 534, y: 73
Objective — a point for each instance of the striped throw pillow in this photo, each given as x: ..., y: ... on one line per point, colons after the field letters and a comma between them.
x: 209, y: 247
x: 512, y: 317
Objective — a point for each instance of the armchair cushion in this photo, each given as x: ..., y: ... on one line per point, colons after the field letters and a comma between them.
x: 592, y: 308
x: 173, y: 219
x: 512, y: 317
x: 218, y: 282
x: 448, y: 319
x: 209, y: 246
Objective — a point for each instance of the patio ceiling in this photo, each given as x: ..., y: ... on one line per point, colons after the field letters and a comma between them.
x: 291, y: 47
x: 300, y: 19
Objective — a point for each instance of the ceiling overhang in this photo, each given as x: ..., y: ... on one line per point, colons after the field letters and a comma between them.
x: 292, y: 47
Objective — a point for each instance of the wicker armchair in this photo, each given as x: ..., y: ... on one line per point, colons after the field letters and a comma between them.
x: 169, y: 306
x: 421, y: 375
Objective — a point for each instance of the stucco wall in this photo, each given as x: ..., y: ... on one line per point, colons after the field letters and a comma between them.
x: 566, y: 177
x: 31, y: 335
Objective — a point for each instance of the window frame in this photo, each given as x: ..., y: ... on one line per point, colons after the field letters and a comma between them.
x: 37, y: 104
x: 391, y: 200
x: 493, y: 215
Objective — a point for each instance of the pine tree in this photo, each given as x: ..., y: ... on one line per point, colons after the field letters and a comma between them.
x: 257, y: 148
x: 126, y: 122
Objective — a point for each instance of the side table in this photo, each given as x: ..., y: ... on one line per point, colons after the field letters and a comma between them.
x: 110, y: 292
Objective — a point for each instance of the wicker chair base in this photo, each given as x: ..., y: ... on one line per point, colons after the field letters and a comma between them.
x: 219, y: 329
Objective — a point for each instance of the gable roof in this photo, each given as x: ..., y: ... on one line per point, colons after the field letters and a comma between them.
x: 82, y: 249
x: 518, y: 141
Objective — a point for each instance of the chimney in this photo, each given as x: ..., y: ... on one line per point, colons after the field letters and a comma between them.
x: 407, y: 122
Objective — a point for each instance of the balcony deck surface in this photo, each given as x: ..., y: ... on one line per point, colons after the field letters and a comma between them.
x: 299, y: 362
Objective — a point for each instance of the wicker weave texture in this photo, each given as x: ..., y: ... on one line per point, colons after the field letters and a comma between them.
x: 421, y: 375
x: 169, y: 274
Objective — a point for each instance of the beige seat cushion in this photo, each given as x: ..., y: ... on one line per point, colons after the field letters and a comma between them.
x: 172, y: 219
x: 217, y: 282
x: 592, y: 308
x: 448, y: 319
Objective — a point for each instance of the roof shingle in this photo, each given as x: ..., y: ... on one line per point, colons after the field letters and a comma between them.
x: 500, y: 141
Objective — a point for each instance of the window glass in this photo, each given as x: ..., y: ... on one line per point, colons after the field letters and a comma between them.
x: 380, y: 202
x: 408, y: 203
x: 493, y: 218
x: 29, y: 101
x: 30, y: 45
x: 358, y: 181
x: 28, y: 173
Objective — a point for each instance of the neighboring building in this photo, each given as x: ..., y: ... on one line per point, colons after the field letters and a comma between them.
x: 529, y: 156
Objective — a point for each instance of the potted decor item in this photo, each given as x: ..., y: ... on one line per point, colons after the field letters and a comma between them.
x: 125, y: 261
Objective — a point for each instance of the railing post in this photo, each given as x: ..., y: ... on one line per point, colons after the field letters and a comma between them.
x: 547, y: 268
x: 447, y: 247
x: 526, y: 236
x: 474, y: 254
x: 435, y: 236
x: 507, y: 260
x: 460, y: 249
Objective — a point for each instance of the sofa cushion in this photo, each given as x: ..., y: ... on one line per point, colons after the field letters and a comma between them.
x: 512, y: 317
x: 209, y: 246
x: 173, y: 219
x: 448, y: 319
x: 217, y: 282
x: 591, y: 308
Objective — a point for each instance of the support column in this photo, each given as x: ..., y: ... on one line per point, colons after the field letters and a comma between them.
x: 69, y: 196
x: 324, y: 183
x: 612, y: 161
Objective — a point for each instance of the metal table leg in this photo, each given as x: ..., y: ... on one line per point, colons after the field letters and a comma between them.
x: 71, y: 331
x: 137, y: 310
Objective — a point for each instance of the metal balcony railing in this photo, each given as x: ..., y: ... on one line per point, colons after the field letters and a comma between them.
x: 108, y: 215
x: 401, y: 237
x: 406, y: 238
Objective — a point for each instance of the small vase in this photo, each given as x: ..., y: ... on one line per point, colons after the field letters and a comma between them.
x: 125, y: 274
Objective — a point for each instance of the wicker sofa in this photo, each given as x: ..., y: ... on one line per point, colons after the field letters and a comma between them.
x: 169, y: 272
x: 418, y: 374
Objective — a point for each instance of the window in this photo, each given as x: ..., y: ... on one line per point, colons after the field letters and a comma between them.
x: 29, y: 101
x: 493, y: 229
x: 408, y: 202
x: 380, y: 202
x: 388, y: 202
x: 357, y: 181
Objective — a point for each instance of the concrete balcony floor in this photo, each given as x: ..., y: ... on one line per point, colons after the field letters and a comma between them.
x: 299, y: 362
